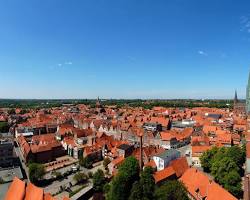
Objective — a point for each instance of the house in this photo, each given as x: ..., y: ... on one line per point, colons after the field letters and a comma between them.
x: 165, y: 174
x: 41, y: 148
x: 151, y: 126
x: 125, y: 150
x: 114, y: 164
x: 163, y: 159
x: 173, y: 139
x: 197, y: 152
x: 168, y: 139
x: 7, y: 156
x: 200, y: 186
x: 175, y: 170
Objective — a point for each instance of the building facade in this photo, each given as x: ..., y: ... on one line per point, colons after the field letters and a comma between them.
x: 248, y: 96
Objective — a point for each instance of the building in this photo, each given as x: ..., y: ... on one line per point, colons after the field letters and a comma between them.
x: 125, y: 150
x: 239, y: 107
x: 41, y: 148
x: 197, y: 152
x: 200, y: 186
x: 6, y: 151
x: 175, y: 170
x: 248, y: 96
x: 151, y: 126
x: 183, y: 124
x: 163, y: 159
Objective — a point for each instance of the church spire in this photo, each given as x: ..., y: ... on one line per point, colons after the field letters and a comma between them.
x: 235, y: 97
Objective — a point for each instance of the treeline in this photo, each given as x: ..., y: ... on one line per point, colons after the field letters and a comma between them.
x: 225, y: 165
x: 147, y: 104
x: 41, y: 103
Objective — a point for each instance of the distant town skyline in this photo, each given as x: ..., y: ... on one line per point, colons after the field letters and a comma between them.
x: 124, y: 49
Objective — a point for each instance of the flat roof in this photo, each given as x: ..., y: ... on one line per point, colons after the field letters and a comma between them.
x: 8, y: 174
x: 167, y: 153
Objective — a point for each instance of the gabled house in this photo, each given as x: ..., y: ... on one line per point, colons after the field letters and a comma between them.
x: 163, y: 159
x: 201, y: 187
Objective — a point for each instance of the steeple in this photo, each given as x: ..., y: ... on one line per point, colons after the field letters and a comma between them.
x: 98, y: 104
x: 235, y: 98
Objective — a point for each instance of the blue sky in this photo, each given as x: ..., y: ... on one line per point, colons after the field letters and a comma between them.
x: 124, y: 48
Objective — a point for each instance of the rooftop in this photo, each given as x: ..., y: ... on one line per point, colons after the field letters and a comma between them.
x: 167, y: 153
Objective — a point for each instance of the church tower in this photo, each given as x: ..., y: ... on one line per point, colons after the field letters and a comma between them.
x: 235, y: 99
x: 248, y: 96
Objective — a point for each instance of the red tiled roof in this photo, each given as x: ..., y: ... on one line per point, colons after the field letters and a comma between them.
x: 198, y: 182
x: 179, y: 165
x: 200, y: 149
x: 16, y: 190
x: 164, y: 174
x: 48, y: 196
x: 33, y: 192
x: 151, y: 163
x: 117, y: 161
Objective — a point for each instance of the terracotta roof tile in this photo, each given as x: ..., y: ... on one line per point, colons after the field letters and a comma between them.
x: 16, y: 190
x: 164, y: 174
x: 198, y: 182
x: 179, y: 165
x: 33, y: 192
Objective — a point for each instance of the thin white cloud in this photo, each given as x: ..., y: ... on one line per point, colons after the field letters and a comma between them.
x: 245, y: 23
x: 68, y: 63
x: 59, y: 64
x: 202, y: 53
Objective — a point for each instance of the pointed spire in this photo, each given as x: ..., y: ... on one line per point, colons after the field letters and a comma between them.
x: 235, y: 97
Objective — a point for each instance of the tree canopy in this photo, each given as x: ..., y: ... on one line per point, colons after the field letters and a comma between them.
x: 36, y: 172
x: 4, y: 127
x: 122, y: 183
x: 173, y: 190
x: 225, y: 164
x: 86, y: 162
x: 80, y: 177
x: 98, y: 181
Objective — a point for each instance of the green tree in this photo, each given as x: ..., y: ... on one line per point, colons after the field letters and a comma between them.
x: 36, y: 172
x: 221, y: 168
x: 233, y: 183
x: 136, y: 191
x: 4, y: 127
x: 86, y: 162
x: 236, y: 154
x: 147, y: 183
x: 57, y: 175
x: 131, y: 168
x: 98, y: 181
x: 80, y: 177
x: 206, y: 159
x: 122, y: 183
x: 90, y: 174
x: 173, y: 190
